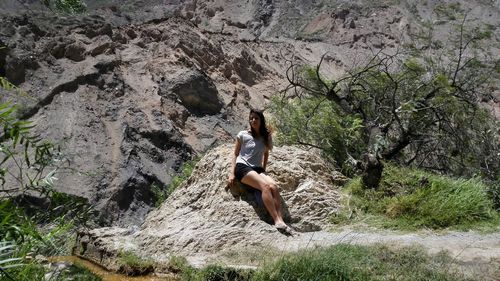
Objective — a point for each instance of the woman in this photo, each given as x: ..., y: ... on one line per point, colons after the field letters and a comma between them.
x: 249, y: 164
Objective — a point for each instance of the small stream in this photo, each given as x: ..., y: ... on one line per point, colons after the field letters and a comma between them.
x: 103, y: 273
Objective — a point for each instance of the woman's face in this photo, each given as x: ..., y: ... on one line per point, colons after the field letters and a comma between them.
x: 254, y: 121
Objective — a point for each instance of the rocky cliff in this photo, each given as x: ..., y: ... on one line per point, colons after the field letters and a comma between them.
x: 134, y: 88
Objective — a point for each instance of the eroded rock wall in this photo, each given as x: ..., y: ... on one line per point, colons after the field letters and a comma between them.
x: 129, y: 104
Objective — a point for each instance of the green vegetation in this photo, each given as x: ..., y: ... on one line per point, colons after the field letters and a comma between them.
x: 27, y: 155
x: 351, y: 262
x: 34, y: 218
x: 318, y: 123
x: 131, y: 264
x: 405, y: 110
x: 410, y: 198
x: 415, y: 108
x: 66, y: 6
x: 216, y: 272
x: 161, y: 192
x: 35, y: 272
x: 24, y: 236
x: 339, y: 262
x: 180, y: 266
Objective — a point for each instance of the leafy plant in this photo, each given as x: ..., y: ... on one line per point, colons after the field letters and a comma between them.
x: 26, y: 156
x: 163, y: 192
x: 32, y: 214
x: 318, y: 123
x: 66, y: 6
x: 7, y: 249
x: 7, y: 85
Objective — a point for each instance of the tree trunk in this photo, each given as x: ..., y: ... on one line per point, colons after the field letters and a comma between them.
x: 372, y: 171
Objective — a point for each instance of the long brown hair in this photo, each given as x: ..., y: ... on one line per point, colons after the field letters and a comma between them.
x: 264, y: 132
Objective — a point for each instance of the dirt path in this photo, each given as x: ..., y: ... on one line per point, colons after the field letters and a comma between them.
x: 464, y: 246
x: 474, y: 255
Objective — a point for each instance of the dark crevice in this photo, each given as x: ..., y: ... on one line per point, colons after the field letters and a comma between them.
x: 138, y: 189
x: 164, y: 140
x: 71, y: 86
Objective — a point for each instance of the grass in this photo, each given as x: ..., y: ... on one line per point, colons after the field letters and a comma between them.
x: 163, y: 192
x: 37, y: 272
x: 351, y: 262
x: 31, y: 231
x: 213, y: 272
x: 133, y: 265
x: 340, y: 262
x: 412, y: 199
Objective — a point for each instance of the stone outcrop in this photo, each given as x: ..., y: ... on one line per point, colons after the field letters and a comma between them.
x: 196, y: 91
x: 204, y: 218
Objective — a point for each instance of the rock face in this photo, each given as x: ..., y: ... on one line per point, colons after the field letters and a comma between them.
x: 202, y: 218
x: 197, y: 93
x: 128, y: 105
x: 135, y: 88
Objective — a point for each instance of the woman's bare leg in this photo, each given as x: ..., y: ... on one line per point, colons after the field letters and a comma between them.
x: 276, y: 195
x: 268, y: 190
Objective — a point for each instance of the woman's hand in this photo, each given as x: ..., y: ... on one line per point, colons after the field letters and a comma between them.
x: 230, y: 181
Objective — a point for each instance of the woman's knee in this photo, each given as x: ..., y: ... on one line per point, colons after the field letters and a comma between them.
x: 271, y: 187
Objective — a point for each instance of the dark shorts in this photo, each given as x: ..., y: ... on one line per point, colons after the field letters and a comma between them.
x: 241, y: 170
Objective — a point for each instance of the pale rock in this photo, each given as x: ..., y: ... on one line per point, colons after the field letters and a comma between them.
x: 203, y: 217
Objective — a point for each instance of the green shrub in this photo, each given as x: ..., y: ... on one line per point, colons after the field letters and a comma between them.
x: 35, y: 230
x: 494, y: 194
x: 132, y: 264
x: 37, y: 272
x: 178, y: 264
x: 314, y: 122
x: 220, y: 273
x: 421, y: 199
x: 48, y: 239
x: 66, y: 6
x: 208, y: 273
x: 161, y: 192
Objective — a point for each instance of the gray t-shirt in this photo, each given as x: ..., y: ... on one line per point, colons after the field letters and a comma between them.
x: 252, y: 149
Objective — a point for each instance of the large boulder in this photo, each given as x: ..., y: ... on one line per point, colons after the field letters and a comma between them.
x: 203, y: 217
x: 195, y: 90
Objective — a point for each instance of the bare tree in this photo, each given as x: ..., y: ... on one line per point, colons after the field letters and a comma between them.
x: 416, y: 108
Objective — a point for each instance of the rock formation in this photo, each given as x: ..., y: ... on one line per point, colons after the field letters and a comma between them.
x: 201, y: 218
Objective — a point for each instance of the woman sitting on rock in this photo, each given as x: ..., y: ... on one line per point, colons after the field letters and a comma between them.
x: 249, y: 164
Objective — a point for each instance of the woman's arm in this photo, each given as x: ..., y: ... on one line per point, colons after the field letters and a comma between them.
x: 264, y: 161
x: 237, y: 148
x: 266, y: 153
